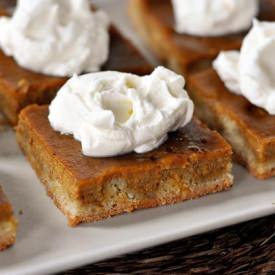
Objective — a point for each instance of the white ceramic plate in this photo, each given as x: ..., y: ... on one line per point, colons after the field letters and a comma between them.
x: 46, y: 244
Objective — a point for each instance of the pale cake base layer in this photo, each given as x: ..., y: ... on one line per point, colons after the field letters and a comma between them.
x: 120, y: 200
x: 244, y: 153
x: 7, y: 233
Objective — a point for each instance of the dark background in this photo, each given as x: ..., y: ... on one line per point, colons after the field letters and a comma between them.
x: 244, y: 249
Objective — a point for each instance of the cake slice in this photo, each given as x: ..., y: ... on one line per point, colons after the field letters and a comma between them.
x: 20, y: 87
x: 249, y: 129
x: 193, y: 162
x: 154, y: 20
x: 8, y: 223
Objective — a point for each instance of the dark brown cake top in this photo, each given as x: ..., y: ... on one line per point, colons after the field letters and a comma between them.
x: 194, y: 141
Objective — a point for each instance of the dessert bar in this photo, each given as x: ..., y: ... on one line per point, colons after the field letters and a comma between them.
x: 154, y: 20
x: 20, y: 87
x: 193, y: 162
x: 8, y: 223
x: 249, y: 129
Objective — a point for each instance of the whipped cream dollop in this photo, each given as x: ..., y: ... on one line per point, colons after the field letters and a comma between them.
x: 56, y: 37
x: 214, y: 17
x: 113, y: 113
x: 251, y: 72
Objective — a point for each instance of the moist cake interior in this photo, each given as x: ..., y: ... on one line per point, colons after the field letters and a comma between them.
x: 249, y: 129
x: 193, y: 162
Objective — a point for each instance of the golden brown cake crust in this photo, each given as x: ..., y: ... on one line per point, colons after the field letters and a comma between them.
x: 215, y: 103
x: 195, y: 151
x: 20, y: 87
x: 154, y: 20
x: 7, y: 222
x: 5, y: 207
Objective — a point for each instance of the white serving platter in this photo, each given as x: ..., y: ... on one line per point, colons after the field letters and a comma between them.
x: 46, y: 244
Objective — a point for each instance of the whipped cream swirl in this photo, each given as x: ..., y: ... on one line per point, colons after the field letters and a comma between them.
x: 214, y: 17
x: 251, y: 72
x: 113, y: 113
x: 56, y: 37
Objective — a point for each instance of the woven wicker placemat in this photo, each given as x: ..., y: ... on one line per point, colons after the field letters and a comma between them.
x: 247, y: 248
